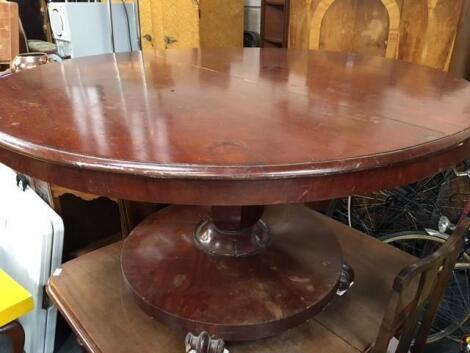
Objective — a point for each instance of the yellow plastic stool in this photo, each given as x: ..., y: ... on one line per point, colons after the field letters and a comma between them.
x: 15, y: 301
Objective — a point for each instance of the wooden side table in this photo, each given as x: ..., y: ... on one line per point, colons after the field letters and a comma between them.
x: 91, y: 294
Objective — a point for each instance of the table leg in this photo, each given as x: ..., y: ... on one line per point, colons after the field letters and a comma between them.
x: 232, y: 231
x: 15, y: 332
x: 239, y: 273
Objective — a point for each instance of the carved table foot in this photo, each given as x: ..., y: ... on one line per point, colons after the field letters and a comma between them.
x: 346, y: 279
x: 204, y: 343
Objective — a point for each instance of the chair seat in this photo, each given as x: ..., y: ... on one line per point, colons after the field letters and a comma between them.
x: 41, y: 46
x: 356, y: 316
x: 15, y: 301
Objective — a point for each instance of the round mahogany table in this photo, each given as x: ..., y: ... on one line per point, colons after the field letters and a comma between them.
x: 221, y: 134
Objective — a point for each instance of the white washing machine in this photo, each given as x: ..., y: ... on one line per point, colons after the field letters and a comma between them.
x: 84, y: 28
x: 31, y: 243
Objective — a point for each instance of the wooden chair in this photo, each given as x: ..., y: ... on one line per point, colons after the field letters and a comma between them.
x: 15, y: 301
x: 415, y: 296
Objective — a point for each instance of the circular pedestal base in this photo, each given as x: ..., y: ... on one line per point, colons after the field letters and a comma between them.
x: 234, y: 298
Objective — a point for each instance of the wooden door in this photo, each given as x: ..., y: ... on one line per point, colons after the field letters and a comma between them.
x: 191, y: 23
x: 221, y: 23
x: 169, y: 24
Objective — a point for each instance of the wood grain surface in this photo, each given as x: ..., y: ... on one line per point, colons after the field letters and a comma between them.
x: 221, y: 23
x: 232, y: 126
x: 191, y: 24
x: 418, y: 31
x: 367, y: 27
x: 9, y: 32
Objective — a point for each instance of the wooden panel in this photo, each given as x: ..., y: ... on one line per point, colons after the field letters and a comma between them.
x: 428, y: 31
x: 58, y: 191
x: 9, y: 32
x: 460, y: 62
x: 146, y: 24
x: 364, y: 27
x: 299, y: 22
x: 221, y: 23
x: 419, y: 31
x: 274, y: 23
x: 191, y: 23
x: 170, y: 24
x: 273, y: 30
x: 180, y: 22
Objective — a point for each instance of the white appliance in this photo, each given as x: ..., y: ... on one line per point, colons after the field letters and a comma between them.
x: 84, y: 28
x: 252, y: 15
x: 31, y: 242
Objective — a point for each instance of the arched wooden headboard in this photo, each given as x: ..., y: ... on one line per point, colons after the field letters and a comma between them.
x: 393, y: 30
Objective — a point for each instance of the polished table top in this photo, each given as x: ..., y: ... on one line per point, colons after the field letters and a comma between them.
x: 213, y: 126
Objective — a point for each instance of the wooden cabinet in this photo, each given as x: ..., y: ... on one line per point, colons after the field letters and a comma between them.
x: 191, y: 23
x: 428, y: 32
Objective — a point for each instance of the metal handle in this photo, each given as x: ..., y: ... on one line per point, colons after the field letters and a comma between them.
x: 147, y: 37
x: 169, y: 40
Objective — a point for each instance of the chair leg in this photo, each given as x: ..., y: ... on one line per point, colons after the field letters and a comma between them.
x: 15, y: 332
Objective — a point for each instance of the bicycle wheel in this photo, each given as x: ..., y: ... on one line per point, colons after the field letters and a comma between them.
x: 406, y: 208
x: 454, y: 310
x: 454, y: 194
x: 411, y: 207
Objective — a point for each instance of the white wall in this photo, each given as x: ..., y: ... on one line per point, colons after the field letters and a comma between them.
x: 252, y: 15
